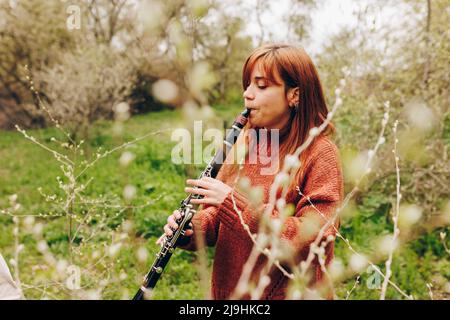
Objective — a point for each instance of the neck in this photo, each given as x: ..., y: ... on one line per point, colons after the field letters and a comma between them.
x: 285, y: 127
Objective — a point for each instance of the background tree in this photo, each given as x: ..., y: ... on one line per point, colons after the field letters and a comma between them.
x: 32, y: 34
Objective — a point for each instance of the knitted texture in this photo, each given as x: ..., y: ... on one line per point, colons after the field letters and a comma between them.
x: 321, y: 182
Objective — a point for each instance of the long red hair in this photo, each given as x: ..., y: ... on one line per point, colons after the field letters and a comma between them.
x: 296, y: 69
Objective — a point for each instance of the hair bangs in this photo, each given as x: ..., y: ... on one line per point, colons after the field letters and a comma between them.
x: 268, y: 64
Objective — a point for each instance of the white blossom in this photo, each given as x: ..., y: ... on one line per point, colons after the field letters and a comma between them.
x: 142, y: 254
x: 129, y: 192
x: 358, y: 262
x: 126, y: 158
x: 165, y: 90
x: 314, y: 131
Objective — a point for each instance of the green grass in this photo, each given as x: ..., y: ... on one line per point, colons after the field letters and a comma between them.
x: 24, y: 167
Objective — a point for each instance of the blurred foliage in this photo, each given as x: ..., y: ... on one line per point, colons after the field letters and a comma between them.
x: 123, y: 51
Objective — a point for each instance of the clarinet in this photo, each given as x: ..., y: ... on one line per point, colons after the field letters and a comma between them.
x: 187, y: 210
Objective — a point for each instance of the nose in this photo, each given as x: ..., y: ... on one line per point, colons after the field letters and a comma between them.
x: 248, y: 94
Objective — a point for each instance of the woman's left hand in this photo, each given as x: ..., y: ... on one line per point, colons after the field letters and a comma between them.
x: 214, y: 191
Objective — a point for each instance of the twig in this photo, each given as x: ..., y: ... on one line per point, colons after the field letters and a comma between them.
x: 395, y: 218
x: 353, y: 288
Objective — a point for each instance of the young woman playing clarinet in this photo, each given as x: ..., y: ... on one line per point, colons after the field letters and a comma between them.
x: 283, y: 91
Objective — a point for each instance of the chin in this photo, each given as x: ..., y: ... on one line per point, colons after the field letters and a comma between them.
x: 254, y: 123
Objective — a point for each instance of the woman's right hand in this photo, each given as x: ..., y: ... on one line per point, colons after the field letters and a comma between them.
x: 171, y: 226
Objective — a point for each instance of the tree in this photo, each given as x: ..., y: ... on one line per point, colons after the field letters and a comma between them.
x: 29, y: 36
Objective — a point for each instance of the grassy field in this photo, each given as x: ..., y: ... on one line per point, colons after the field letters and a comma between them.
x: 159, y: 184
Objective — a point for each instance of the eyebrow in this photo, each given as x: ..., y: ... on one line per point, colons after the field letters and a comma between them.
x: 260, y: 78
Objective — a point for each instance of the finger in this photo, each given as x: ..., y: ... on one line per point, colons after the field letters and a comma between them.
x: 172, y: 223
x: 167, y: 230
x: 177, y: 214
x: 173, y: 227
x: 199, y: 191
x: 204, y: 201
x: 160, y: 240
x: 198, y: 183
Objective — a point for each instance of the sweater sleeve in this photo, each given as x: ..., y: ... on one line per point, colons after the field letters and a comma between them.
x: 322, y: 184
x: 206, y: 225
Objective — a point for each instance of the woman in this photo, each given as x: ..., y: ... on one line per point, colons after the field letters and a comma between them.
x: 283, y: 90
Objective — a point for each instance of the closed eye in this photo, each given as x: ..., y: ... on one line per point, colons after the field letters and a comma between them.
x: 262, y: 84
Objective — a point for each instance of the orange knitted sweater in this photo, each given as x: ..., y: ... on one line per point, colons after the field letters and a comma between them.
x: 321, y: 181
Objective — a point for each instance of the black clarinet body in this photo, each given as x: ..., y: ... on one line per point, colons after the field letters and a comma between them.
x: 188, y: 210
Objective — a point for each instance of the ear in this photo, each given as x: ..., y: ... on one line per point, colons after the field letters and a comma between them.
x: 293, y: 96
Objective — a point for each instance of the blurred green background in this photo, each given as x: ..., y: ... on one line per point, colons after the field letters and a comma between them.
x: 170, y: 63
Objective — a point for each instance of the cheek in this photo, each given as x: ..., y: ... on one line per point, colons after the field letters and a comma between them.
x: 275, y: 104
